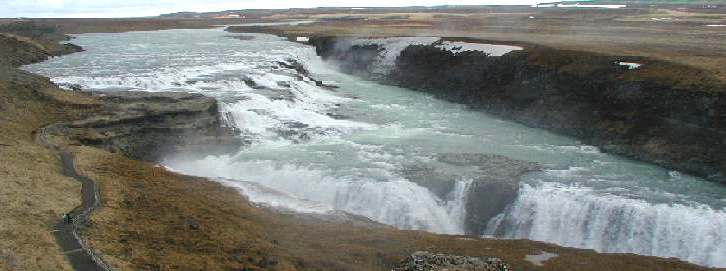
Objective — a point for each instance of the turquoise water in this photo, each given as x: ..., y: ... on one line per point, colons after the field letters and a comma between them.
x: 317, y: 150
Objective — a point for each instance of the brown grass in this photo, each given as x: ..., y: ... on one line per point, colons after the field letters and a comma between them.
x: 34, y: 193
x: 628, y: 32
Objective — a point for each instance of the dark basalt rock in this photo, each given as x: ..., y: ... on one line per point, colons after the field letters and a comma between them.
x: 495, y: 183
x: 427, y: 261
x: 665, y: 113
x: 149, y: 126
x: 353, y: 59
x: 494, y: 188
x: 439, y: 183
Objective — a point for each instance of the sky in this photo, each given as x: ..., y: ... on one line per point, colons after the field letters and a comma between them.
x: 141, y: 8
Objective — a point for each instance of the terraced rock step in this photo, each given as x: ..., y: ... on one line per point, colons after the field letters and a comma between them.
x: 146, y: 125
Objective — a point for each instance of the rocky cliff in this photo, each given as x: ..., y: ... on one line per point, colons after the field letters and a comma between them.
x: 655, y: 111
x: 24, y: 43
x: 148, y: 126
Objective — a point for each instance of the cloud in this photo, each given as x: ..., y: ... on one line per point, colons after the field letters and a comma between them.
x: 141, y: 8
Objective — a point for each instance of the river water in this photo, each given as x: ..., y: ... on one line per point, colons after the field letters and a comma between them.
x: 315, y: 149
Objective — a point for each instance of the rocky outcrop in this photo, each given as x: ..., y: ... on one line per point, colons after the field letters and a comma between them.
x: 19, y: 50
x: 494, y: 184
x: 148, y: 126
x: 660, y: 112
x: 494, y: 188
x: 427, y: 261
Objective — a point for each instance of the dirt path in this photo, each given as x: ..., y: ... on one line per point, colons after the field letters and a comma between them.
x: 77, y: 252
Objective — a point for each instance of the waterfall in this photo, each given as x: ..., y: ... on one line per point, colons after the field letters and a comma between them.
x: 391, y: 49
x: 396, y: 202
x: 456, y: 202
x: 579, y: 217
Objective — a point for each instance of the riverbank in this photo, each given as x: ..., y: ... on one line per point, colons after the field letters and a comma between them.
x: 155, y: 219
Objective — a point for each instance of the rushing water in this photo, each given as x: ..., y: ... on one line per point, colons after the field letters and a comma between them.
x: 316, y: 150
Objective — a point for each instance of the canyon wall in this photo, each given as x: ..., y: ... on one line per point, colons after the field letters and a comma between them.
x: 659, y: 112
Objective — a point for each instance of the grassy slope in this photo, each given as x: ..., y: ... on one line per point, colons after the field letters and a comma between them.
x: 34, y: 193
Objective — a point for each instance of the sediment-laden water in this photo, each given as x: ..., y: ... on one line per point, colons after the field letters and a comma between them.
x: 317, y: 149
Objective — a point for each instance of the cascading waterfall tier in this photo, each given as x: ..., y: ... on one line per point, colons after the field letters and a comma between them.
x: 578, y: 216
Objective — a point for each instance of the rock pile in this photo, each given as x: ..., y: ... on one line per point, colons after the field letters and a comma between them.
x: 427, y: 261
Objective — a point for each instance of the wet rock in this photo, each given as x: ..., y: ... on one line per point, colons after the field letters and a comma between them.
x: 435, y: 181
x: 303, y: 74
x: 493, y: 189
x: 277, y: 94
x: 295, y: 65
x: 427, y: 261
x: 251, y: 83
x: 148, y: 126
x: 293, y: 135
x: 70, y: 86
x: 337, y: 116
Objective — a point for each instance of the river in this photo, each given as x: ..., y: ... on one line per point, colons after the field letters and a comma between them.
x: 317, y: 149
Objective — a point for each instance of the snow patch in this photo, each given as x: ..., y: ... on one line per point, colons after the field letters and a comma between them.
x: 490, y: 49
x: 630, y: 65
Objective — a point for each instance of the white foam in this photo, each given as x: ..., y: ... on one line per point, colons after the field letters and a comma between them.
x: 609, y: 223
x: 395, y: 202
x: 275, y: 199
x: 630, y: 65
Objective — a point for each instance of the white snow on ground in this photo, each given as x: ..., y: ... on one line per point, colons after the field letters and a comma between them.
x: 491, y: 49
x: 630, y: 65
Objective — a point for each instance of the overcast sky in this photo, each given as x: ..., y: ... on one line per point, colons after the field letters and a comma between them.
x: 140, y: 8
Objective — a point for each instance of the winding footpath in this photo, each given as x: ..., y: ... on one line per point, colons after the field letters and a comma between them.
x: 76, y: 250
